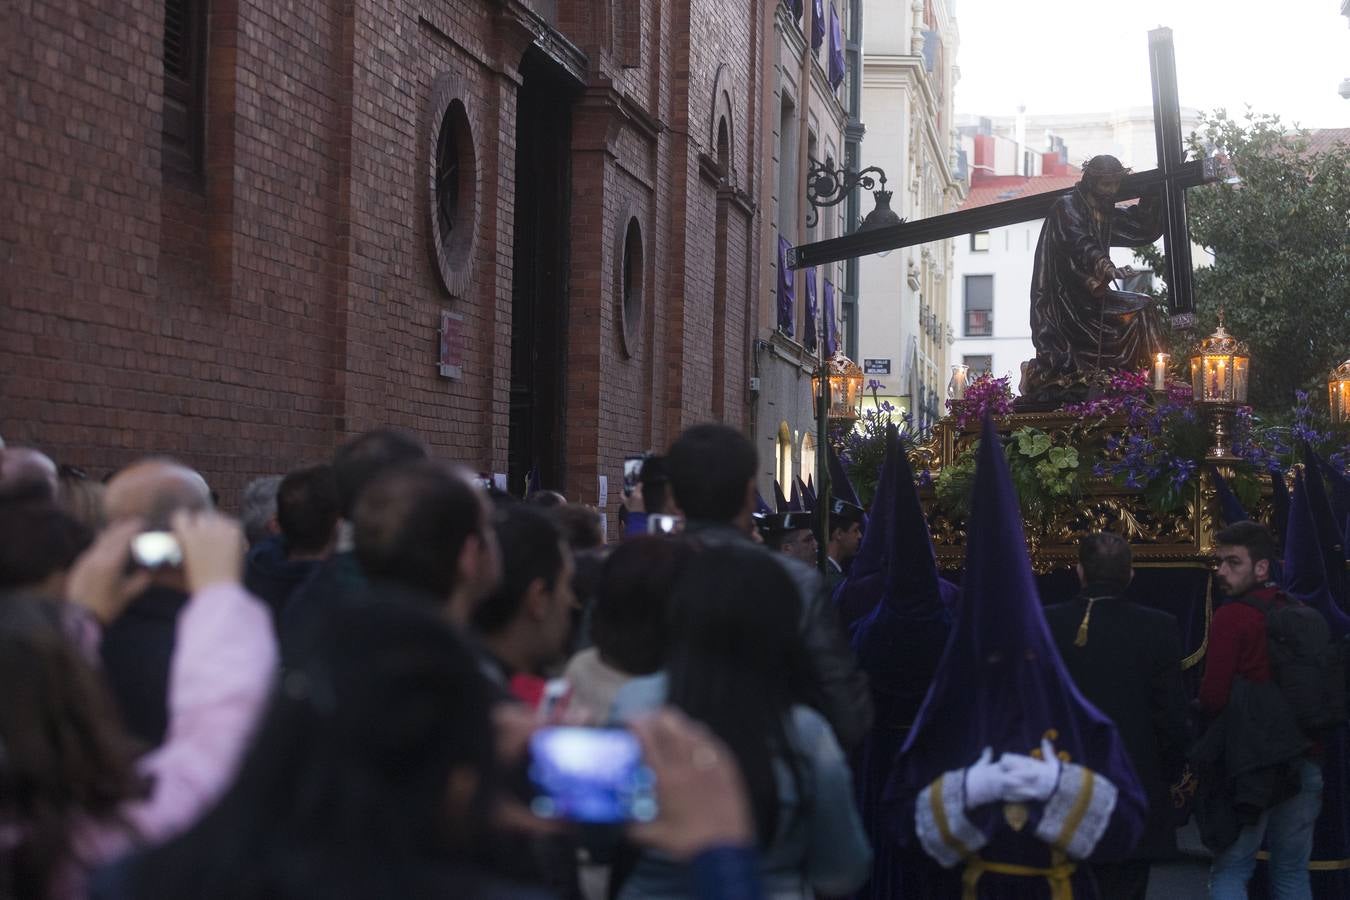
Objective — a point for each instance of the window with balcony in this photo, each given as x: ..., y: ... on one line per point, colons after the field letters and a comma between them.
x: 979, y: 305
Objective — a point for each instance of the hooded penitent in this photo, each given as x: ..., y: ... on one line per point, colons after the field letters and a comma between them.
x: 1328, y: 527
x: 1002, y: 685
x: 1305, y: 579
x: 903, y: 624
x: 1230, y: 508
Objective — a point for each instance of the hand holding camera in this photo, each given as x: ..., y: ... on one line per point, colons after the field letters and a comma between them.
x: 100, y: 580
x: 122, y: 561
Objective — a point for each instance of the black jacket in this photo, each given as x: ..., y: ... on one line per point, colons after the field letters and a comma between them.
x: 137, y: 649
x: 271, y: 577
x: 845, y: 700
x: 1130, y: 669
x: 1247, y: 761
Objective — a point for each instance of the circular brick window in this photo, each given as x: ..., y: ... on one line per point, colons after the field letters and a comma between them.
x: 452, y: 187
x: 630, y: 284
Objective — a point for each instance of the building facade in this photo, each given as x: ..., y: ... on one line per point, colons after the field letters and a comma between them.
x: 528, y: 230
x: 909, y: 77
x: 806, y: 119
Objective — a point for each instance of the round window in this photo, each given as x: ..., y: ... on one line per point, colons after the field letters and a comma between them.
x: 453, y: 187
x: 630, y: 284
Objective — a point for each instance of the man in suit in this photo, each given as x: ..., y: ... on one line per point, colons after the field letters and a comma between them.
x: 1126, y: 660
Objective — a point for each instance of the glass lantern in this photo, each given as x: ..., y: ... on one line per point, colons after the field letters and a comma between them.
x: 846, y: 382
x: 1338, y: 391
x: 1219, y: 368
x: 1219, y: 385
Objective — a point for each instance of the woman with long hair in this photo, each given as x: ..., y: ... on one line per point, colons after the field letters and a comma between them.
x: 738, y: 664
x: 73, y: 792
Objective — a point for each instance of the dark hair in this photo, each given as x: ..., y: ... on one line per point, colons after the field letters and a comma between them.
x: 630, y: 626
x: 67, y: 759
x: 546, y: 499
x: 580, y: 525
x: 655, y: 484
x: 307, y: 508
x: 1252, y: 535
x: 343, y: 791
x: 411, y: 524
x: 737, y: 662
x: 1106, y: 559
x: 360, y: 460
x: 37, y: 540
x: 710, y: 467
x: 532, y: 547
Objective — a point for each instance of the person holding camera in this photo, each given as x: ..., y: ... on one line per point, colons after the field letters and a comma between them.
x: 74, y: 794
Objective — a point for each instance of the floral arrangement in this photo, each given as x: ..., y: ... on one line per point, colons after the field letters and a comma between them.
x: 985, y: 394
x: 1045, y: 474
x: 1158, y: 451
x: 863, y: 446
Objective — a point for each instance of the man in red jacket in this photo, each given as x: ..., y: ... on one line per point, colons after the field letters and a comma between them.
x: 1237, y: 648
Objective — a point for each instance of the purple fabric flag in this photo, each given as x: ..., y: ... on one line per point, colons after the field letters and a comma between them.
x: 812, y: 312
x: 797, y: 7
x: 817, y: 23
x: 831, y: 329
x: 836, y: 48
x: 787, y: 297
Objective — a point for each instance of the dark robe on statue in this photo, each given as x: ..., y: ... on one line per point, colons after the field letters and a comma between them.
x: 1001, y: 684
x: 1074, y: 331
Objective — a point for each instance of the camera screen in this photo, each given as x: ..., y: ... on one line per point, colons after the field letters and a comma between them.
x: 591, y: 775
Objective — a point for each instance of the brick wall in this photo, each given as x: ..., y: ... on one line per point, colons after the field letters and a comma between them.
x: 249, y: 320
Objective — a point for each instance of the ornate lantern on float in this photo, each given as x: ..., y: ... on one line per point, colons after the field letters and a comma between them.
x: 1338, y: 392
x: 1219, y: 384
x: 845, y: 396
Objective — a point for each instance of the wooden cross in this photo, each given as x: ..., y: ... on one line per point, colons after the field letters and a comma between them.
x: 1171, y: 179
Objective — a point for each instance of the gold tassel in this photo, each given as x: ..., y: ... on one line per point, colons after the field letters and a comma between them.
x: 1081, y: 640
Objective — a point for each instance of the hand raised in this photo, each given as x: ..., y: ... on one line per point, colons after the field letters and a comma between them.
x: 213, y: 548
x: 99, y: 580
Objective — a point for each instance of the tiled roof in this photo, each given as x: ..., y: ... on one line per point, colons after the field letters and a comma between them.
x: 1011, y: 189
x: 1322, y: 139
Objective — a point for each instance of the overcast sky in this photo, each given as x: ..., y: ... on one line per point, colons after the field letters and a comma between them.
x: 1065, y: 56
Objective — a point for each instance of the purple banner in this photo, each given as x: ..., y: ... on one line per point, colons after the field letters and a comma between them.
x: 831, y: 329
x: 787, y: 297
x: 817, y: 23
x: 836, y: 48
x: 812, y: 312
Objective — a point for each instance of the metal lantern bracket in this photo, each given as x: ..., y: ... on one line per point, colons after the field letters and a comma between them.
x: 830, y: 185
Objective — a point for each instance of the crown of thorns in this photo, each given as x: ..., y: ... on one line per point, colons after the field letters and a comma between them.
x: 1104, y: 165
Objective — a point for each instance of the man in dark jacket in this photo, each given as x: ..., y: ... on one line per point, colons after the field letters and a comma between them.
x: 356, y: 464
x: 712, y: 474
x: 307, y: 515
x: 1126, y: 660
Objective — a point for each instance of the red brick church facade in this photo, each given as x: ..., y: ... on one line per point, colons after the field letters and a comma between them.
x: 232, y: 229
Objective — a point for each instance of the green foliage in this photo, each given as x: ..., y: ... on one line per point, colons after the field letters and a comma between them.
x: 1280, y: 235
x: 1045, y: 476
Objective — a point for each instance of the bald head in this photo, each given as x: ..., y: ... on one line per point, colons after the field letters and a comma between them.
x: 153, y: 489
x: 24, y: 467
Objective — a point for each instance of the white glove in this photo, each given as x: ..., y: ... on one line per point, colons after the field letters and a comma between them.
x: 984, y: 780
x: 1026, y: 778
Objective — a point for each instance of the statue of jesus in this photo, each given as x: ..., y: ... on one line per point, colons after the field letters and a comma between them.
x: 1079, y: 323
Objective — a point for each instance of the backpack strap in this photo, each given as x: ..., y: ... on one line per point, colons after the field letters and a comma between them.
x: 1263, y: 608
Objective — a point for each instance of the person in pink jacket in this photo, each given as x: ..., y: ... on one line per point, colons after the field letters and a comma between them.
x: 73, y: 794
